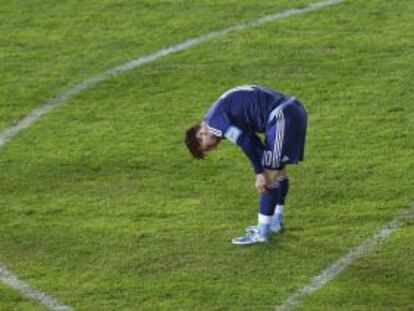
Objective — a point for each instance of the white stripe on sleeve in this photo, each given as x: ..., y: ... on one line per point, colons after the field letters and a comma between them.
x: 214, y: 131
x: 232, y: 134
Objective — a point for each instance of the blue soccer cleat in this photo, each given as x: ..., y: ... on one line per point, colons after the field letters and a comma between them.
x: 274, y: 228
x: 277, y: 228
x: 252, y: 230
x: 249, y: 239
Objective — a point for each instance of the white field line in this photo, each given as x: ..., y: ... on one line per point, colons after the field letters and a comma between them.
x: 340, y: 265
x: 61, y: 98
x: 8, y: 278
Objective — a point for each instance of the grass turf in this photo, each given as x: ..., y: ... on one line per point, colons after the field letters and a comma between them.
x: 102, y: 206
x: 47, y: 47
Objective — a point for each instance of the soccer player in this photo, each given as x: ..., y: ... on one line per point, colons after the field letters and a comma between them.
x: 237, y: 116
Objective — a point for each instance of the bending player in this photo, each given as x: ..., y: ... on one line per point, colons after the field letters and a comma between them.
x: 237, y: 116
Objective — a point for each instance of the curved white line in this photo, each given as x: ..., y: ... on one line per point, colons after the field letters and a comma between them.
x: 7, y: 276
x: 341, y: 264
x: 60, y: 99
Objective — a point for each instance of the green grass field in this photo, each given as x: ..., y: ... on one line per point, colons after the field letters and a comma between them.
x: 102, y: 206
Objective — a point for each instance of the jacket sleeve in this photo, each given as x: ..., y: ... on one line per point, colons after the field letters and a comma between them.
x: 253, y: 148
x: 250, y: 144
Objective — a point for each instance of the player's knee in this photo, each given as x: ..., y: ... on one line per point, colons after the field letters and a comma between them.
x: 273, y: 176
x: 281, y: 172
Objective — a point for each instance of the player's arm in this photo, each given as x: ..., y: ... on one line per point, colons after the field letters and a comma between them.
x: 219, y: 125
x: 250, y: 144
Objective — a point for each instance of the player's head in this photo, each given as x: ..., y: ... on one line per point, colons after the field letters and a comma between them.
x: 199, y: 141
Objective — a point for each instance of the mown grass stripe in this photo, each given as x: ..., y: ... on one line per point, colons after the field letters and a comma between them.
x: 340, y: 265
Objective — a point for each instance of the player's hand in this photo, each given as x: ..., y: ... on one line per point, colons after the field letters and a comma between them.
x: 261, y: 183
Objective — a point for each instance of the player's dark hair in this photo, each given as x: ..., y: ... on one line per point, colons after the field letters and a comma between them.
x: 193, y: 143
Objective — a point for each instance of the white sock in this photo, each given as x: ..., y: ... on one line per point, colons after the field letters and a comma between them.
x: 279, y: 209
